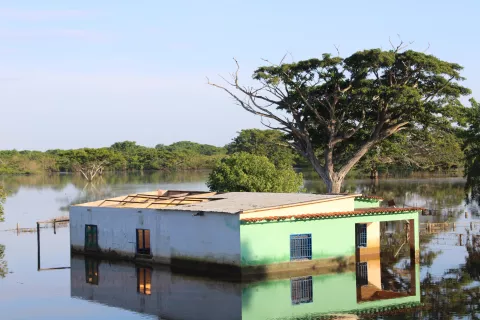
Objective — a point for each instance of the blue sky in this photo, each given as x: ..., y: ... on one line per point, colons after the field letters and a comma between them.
x: 89, y: 73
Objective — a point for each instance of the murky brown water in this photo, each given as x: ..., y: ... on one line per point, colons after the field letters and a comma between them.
x: 448, y: 278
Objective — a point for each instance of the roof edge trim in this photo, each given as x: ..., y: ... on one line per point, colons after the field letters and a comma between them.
x: 331, y: 215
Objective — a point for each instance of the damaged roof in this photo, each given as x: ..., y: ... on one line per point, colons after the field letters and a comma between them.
x: 230, y: 202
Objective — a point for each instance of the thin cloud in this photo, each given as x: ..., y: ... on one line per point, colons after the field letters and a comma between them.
x: 10, y: 13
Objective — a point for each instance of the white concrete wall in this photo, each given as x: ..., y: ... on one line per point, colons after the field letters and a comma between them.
x: 172, y: 296
x: 214, y: 237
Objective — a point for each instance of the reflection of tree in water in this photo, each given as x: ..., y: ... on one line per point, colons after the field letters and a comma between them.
x: 101, y: 187
x: 3, y: 263
x: 91, y: 191
x: 472, y: 189
x: 60, y: 181
x: 429, y: 193
x: 455, y: 294
x: 3, y: 196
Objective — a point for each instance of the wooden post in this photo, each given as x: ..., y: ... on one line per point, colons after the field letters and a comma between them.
x: 54, y: 226
x: 18, y: 228
x: 38, y: 246
x: 460, y: 239
x: 411, y: 239
x: 466, y: 214
x: 454, y: 226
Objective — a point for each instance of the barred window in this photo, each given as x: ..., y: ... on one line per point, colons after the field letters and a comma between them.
x: 362, y: 235
x: 362, y: 274
x: 301, y: 290
x: 300, y: 247
x: 91, y: 237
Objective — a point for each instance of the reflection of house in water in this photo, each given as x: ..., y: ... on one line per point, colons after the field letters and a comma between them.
x: 158, y: 291
x: 254, y: 233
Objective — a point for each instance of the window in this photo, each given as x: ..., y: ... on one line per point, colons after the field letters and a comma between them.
x: 362, y: 274
x: 300, y: 247
x: 361, y: 235
x: 91, y: 271
x: 301, y: 290
x: 143, y: 241
x: 144, y: 281
x: 91, y: 237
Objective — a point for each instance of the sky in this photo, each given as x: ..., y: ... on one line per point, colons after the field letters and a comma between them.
x: 90, y: 73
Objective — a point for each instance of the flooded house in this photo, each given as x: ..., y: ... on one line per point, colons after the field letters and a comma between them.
x: 160, y: 292
x: 243, y: 233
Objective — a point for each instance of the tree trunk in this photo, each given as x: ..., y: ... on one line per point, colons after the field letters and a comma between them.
x: 334, y: 184
x: 332, y: 180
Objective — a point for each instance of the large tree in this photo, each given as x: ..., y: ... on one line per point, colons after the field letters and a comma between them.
x: 335, y: 109
x: 92, y: 162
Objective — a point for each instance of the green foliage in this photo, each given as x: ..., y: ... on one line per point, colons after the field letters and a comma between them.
x: 417, y: 150
x: 472, y: 152
x: 252, y: 173
x: 269, y: 143
x: 25, y: 162
x: 121, y: 156
x: 193, y: 147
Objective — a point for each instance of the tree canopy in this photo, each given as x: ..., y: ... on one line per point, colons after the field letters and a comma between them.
x: 420, y: 150
x: 334, y: 109
x: 269, y: 143
x: 245, y: 172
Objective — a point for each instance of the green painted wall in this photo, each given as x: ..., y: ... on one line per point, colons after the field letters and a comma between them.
x: 333, y: 293
x: 269, y: 242
x: 366, y: 203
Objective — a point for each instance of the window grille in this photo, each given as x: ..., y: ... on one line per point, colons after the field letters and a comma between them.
x: 362, y: 274
x: 91, y: 237
x: 301, y: 290
x: 143, y: 241
x: 362, y: 235
x: 144, y: 281
x: 300, y: 247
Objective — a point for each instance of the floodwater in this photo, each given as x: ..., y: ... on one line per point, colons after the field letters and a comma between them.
x: 445, y: 285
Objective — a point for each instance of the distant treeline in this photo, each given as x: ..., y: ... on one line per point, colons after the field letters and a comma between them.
x: 121, y: 156
x: 408, y: 151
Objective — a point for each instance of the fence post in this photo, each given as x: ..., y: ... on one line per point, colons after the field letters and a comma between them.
x: 38, y: 246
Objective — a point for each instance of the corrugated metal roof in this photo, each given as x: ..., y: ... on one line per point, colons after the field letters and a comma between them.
x: 230, y: 202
